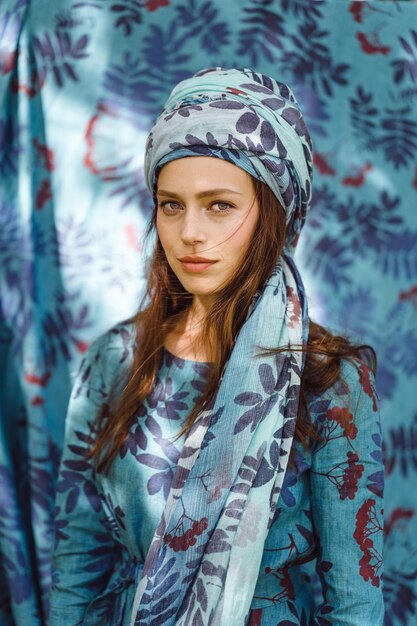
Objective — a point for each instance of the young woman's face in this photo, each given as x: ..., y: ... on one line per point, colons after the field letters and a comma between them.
x: 206, y: 217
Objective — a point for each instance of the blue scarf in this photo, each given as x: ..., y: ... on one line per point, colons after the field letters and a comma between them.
x: 203, y: 562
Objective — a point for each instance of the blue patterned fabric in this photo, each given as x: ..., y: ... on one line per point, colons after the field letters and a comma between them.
x: 104, y: 534
x: 247, y: 118
x: 80, y: 86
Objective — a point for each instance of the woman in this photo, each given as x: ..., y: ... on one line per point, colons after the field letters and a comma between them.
x: 221, y: 462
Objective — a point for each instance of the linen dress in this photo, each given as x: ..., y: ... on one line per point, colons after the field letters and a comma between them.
x: 322, y: 560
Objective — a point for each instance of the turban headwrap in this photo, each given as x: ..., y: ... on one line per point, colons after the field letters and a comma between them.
x: 243, y: 117
x: 233, y: 462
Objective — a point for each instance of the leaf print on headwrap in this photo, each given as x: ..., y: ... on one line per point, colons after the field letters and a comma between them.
x: 247, y: 123
x: 226, y: 104
x: 184, y: 111
x: 268, y: 136
x: 195, y: 141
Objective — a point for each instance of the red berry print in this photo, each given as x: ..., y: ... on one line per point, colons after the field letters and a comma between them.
x: 344, y: 418
x: 183, y: 539
x: 367, y: 525
x: 365, y: 382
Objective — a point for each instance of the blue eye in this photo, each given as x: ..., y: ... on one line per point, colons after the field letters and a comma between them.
x: 169, y: 207
x: 222, y: 207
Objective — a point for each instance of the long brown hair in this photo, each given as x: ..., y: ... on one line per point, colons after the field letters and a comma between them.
x: 167, y: 300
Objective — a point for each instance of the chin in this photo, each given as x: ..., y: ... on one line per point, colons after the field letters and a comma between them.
x: 199, y: 292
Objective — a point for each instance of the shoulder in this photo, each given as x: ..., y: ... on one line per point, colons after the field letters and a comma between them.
x: 107, y: 359
x: 359, y: 382
x: 115, y: 346
x: 352, y: 395
x: 118, y: 336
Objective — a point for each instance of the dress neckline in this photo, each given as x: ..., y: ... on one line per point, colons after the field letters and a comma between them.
x: 182, y: 360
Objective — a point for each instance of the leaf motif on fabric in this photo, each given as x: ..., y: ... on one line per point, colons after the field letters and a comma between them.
x: 247, y: 123
x: 209, y: 569
x: 218, y: 542
x: 226, y: 104
x: 268, y: 136
x: 151, y: 460
x: 248, y: 398
x: 267, y: 378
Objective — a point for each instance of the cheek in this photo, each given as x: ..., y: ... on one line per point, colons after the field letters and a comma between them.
x: 244, y: 236
x: 163, y: 233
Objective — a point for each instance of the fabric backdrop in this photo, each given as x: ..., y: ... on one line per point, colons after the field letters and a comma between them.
x: 80, y: 84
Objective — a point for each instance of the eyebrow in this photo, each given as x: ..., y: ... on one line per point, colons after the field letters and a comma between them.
x: 201, y: 194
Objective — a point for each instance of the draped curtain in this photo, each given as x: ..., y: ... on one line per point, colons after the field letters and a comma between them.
x: 80, y: 84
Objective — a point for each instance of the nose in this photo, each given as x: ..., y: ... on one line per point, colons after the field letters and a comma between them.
x: 192, y: 230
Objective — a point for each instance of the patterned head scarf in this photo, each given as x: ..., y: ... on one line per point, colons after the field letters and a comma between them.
x: 242, y: 444
x: 243, y: 117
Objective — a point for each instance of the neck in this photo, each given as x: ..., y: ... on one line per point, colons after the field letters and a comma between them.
x: 186, y: 340
x: 199, y: 309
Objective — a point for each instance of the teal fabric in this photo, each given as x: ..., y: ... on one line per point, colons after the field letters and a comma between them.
x: 104, y: 534
x: 247, y: 118
x: 81, y: 84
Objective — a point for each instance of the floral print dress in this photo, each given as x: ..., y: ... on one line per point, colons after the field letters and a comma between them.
x: 322, y: 560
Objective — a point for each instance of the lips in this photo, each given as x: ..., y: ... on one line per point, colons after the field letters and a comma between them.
x: 196, y: 259
x: 195, y: 264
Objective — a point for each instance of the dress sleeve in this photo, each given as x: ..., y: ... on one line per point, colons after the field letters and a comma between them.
x: 347, y: 490
x: 85, y: 551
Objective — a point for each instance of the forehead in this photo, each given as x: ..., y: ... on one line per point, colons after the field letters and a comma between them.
x: 203, y: 172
